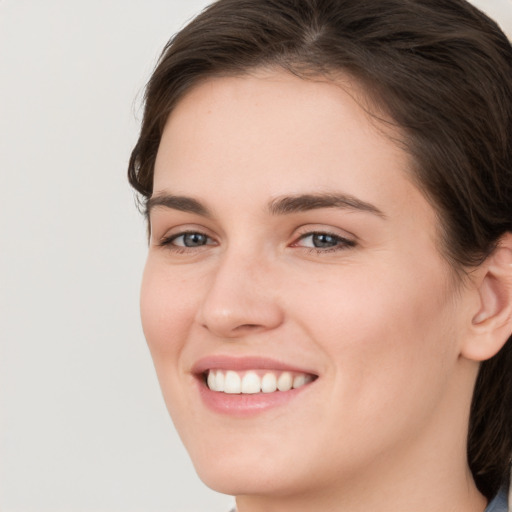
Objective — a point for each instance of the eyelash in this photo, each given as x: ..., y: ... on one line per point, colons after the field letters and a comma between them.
x: 341, y: 242
x: 180, y: 249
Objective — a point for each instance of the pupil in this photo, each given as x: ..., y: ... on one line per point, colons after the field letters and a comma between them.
x: 194, y: 239
x: 323, y: 240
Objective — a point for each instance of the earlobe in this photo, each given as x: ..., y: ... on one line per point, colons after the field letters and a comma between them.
x: 492, y: 322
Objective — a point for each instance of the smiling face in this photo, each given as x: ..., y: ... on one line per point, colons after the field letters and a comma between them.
x: 288, y: 244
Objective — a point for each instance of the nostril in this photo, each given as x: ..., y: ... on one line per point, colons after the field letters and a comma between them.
x: 247, y: 327
x: 234, y: 332
x: 239, y: 327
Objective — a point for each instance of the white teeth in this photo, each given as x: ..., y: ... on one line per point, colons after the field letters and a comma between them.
x: 211, y: 382
x: 285, y: 381
x: 219, y: 381
x: 250, y: 382
x: 299, y: 381
x: 232, y: 383
x: 268, y: 383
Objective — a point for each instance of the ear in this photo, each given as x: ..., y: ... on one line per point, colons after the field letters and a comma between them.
x: 492, y: 321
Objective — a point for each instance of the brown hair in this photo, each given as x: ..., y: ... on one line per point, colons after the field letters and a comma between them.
x: 441, y: 70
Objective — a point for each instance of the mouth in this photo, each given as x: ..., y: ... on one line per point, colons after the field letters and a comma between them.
x: 249, y: 385
x: 252, y: 382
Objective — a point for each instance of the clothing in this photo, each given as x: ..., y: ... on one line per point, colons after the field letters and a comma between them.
x: 500, y: 502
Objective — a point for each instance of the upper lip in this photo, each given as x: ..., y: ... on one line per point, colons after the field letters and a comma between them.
x: 224, y: 362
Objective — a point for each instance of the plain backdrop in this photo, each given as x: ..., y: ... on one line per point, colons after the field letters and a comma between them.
x: 82, y: 423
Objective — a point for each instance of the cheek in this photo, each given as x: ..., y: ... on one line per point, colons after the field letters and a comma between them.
x: 388, y: 334
x: 167, y: 310
x: 168, y: 306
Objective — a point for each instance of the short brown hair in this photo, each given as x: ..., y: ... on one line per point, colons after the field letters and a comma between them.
x: 440, y: 69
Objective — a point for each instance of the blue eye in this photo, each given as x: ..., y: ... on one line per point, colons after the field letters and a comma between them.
x: 324, y: 241
x: 188, y: 240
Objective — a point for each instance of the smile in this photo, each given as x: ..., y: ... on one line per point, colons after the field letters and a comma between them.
x: 255, y: 381
x: 246, y: 386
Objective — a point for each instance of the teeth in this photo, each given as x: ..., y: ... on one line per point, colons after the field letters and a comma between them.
x: 232, y: 383
x: 268, y: 383
x: 252, y: 382
x: 285, y: 381
x: 219, y: 381
x: 299, y: 381
x: 212, y: 382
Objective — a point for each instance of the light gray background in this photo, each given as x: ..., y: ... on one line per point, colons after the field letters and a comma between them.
x: 83, y: 426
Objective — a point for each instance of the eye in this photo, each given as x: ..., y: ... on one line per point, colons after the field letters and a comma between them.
x: 323, y: 242
x: 188, y: 240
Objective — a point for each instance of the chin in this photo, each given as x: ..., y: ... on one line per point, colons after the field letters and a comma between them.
x: 265, y: 478
x: 256, y: 465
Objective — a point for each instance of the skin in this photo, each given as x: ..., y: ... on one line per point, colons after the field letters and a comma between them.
x: 381, y: 319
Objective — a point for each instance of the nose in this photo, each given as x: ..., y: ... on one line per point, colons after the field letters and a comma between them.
x: 240, y: 299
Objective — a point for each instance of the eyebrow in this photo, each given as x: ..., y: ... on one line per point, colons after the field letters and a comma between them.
x: 279, y: 206
x: 305, y: 202
x: 181, y: 203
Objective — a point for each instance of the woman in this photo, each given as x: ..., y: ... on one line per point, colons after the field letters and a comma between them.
x: 328, y: 290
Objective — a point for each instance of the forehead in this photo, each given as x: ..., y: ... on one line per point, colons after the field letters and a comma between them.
x: 274, y: 134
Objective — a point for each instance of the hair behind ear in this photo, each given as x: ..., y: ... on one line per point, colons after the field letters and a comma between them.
x: 490, y: 426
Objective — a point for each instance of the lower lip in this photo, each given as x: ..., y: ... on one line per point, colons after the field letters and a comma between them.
x: 246, y: 404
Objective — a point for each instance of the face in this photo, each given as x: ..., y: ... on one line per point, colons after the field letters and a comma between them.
x: 290, y: 250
